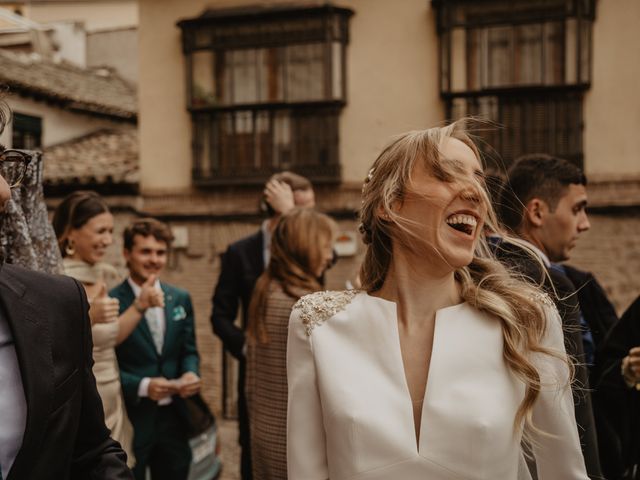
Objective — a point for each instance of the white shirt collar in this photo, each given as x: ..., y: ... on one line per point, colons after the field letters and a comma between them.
x: 137, y: 288
x: 541, y: 254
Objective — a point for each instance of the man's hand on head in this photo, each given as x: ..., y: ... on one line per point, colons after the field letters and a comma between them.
x: 279, y: 195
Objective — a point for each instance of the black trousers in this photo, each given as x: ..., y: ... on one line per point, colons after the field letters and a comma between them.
x: 169, y: 455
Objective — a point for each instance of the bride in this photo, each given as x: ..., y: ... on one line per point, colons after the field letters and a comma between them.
x: 444, y: 362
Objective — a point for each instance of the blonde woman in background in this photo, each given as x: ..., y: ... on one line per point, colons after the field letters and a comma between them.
x: 301, y: 251
x: 84, y: 228
x: 441, y: 363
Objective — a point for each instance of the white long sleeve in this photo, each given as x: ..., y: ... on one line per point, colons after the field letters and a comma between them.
x: 306, y: 443
x: 557, y: 450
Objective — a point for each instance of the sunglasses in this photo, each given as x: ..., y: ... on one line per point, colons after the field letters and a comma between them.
x: 13, y: 166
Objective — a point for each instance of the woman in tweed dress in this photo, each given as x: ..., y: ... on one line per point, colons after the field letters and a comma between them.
x: 301, y: 250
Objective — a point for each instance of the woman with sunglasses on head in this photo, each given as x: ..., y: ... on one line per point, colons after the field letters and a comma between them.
x: 443, y: 362
x: 301, y: 251
x: 84, y: 228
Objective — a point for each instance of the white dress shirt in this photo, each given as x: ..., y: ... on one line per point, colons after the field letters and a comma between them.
x: 13, y: 405
x: 155, y: 318
x: 266, y: 242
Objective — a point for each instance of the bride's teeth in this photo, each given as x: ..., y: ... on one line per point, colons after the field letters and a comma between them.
x: 464, y: 219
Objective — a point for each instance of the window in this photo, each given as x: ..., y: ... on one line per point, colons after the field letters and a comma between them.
x: 27, y: 132
x: 265, y: 89
x: 524, y: 64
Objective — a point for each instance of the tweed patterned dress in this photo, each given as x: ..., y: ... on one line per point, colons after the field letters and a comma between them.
x: 266, y: 388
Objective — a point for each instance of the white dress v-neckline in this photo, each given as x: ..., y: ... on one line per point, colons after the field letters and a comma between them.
x: 393, y: 311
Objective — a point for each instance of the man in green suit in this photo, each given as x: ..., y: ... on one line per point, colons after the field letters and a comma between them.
x: 159, y: 361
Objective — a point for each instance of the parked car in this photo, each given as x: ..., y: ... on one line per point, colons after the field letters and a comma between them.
x: 205, y: 448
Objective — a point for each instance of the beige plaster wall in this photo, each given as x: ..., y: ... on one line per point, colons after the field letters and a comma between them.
x: 612, y: 105
x: 391, y: 72
x: 57, y: 125
x: 117, y: 48
x: 96, y: 15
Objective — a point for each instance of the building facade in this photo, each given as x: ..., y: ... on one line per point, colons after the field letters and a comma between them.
x: 233, y: 90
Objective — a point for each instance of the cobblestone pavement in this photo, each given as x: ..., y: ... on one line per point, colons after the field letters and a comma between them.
x: 230, y: 453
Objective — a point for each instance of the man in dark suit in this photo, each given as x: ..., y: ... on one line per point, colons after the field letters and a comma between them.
x: 51, y: 417
x: 159, y: 363
x: 544, y: 204
x: 618, y: 393
x: 242, y: 264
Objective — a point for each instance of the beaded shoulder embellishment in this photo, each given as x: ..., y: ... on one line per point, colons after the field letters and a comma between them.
x: 541, y: 297
x: 318, y: 307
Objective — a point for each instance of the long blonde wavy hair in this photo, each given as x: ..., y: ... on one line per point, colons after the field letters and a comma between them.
x: 485, y: 283
x: 296, y: 253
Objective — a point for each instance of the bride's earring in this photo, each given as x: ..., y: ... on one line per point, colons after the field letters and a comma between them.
x: 70, y: 248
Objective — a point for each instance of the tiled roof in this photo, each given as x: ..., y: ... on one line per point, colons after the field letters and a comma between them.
x: 100, y: 92
x: 102, y: 157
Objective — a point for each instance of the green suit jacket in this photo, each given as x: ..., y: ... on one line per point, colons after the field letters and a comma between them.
x: 138, y: 357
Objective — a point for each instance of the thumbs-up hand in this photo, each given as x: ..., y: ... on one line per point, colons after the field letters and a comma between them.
x: 102, y: 308
x: 150, y: 296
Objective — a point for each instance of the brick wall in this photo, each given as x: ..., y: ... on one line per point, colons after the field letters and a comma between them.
x: 611, y: 251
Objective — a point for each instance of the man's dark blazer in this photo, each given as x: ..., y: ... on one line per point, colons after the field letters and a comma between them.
x: 619, y: 403
x: 65, y: 436
x: 608, y: 399
x: 242, y: 264
x: 596, y: 308
x: 560, y: 288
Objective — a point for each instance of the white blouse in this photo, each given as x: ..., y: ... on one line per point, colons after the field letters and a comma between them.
x: 350, y: 414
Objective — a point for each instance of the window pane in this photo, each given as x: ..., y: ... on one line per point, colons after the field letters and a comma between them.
x: 243, y: 65
x: 203, y: 87
x: 571, y: 45
x: 528, y: 54
x: 271, y: 74
x: 585, y: 52
x: 282, y: 140
x: 499, y: 56
x: 336, y: 70
x: 305, y: 72
x: 27, y: 131
x: 262, y: 141
x: 554, y: 53
x: 458, y: 60
x: 474, y: 56
x: 296, y: 73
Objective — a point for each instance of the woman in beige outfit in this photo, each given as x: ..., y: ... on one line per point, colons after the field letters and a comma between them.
x: 301, y: 250
x: 84, y: 228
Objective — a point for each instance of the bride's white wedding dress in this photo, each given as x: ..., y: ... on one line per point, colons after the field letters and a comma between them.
x: 350, y: 415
